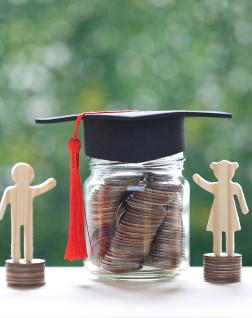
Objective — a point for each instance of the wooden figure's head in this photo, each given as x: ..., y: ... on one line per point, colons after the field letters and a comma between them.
x: 224, y: 169
x: 22, y: 173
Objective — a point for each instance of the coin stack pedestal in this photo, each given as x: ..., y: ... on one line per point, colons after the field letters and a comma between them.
x: 24, y: 274
x: 223, y: 268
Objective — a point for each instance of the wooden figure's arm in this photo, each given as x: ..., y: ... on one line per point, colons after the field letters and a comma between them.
x: 4, y: 202
x: 208, y: 186
x: 43, y: 187
x: 241, y: 198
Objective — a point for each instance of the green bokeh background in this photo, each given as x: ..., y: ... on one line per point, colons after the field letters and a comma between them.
x: 65, y: 57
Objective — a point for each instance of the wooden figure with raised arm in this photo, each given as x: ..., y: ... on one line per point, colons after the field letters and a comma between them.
x: 223, y: 216
x: 20, y: 197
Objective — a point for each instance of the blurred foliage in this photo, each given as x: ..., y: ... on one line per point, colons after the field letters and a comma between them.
x: 64, y: 57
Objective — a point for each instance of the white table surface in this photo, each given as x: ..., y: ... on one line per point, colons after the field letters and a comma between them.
x: 69, y: 293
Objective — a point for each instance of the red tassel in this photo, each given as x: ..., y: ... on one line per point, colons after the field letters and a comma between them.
x: 76, y: 246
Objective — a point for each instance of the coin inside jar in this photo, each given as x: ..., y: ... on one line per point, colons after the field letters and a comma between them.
x: 104, y: 201
x: 136, y: 227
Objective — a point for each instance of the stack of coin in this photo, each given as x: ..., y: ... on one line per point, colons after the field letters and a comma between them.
x: 223, y: 268
x: 104, y: 201
x: 168, y: 247
x: 162, y: 182
x: 152, y: 178
x: 137, y: 222
x: 25, y: 274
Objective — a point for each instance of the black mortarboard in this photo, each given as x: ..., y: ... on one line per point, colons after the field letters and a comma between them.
x: 135, y: 136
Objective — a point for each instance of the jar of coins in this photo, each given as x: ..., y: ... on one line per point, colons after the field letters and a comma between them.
x: 138, y: 219
x: 136, y: 199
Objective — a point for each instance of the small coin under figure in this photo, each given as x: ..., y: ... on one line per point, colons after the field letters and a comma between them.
x: 219, y: 267
x: 223, y: 268
x: 26, y: 272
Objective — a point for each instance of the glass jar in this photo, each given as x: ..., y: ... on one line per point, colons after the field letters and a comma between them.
x: 138, y: 219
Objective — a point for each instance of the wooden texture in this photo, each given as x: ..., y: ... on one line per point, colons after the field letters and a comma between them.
x: 25, y: 274
x: 223, y: 216
x: 21, y: 196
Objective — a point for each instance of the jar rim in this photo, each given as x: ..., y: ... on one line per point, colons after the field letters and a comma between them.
x: 173, y: 162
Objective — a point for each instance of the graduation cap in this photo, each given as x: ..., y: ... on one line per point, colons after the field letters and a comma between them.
x: 126, y: 136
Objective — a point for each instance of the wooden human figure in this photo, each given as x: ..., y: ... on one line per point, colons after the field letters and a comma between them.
x: 223, y: 216
x: 21, y: 196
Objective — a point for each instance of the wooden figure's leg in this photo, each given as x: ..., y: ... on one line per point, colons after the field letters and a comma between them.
x: 28, y: 241
x: 217, y: 243
x: 15, y: 241
x: 230, y: 243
